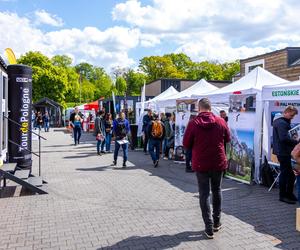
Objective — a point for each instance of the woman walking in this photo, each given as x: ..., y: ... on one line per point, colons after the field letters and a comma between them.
x: 99, y: 132
x: 108, y: 124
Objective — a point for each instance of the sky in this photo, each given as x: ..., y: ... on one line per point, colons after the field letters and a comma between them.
x: 118, y: 33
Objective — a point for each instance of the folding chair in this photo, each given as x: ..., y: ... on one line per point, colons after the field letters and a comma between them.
x: 276, y: 168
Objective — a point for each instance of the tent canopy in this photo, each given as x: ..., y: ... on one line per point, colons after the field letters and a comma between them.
x: 249, y: 84
x: 92, y: 106
x: 171, y: 91
x: 285, y: 92
x: 199, y: 88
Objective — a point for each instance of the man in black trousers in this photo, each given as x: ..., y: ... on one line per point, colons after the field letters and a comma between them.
x: 146, y: 122
x: 283, y: 145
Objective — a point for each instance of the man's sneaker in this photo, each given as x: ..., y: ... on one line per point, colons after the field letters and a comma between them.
x: 156, y: 164
x: 209, y: 234
x: 287, y: 200
x: 103, y: 152
x: 114, y: 163
x: 124, y: 165
x: 217, y: 227
x: 98, y: 153
x: 165, y: 158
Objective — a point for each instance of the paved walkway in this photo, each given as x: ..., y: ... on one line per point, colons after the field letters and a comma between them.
x: 92, y: 205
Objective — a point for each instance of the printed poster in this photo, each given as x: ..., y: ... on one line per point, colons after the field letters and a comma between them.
x: 185, y: 110
x: 276, y: 109
x: 241, y: 121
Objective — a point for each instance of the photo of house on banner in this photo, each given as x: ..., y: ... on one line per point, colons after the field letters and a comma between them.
x: 241, y: 120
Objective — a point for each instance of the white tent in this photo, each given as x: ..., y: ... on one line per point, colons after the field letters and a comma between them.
x: 199, y: 88
x: 151, y: 104
x: 276, y: 97
x: 251, y: 83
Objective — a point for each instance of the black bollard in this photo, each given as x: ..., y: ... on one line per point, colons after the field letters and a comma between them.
x: 20, y: 111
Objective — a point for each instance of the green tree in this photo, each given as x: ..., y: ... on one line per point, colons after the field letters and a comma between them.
x: 159, y: 67
x: 48, y: 80
x: 73, y: 92
x: 230, y: 70
x: 121, y: 86
x: 135, y: 81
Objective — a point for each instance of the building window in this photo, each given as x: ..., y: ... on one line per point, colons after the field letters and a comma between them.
x: 252, y: 65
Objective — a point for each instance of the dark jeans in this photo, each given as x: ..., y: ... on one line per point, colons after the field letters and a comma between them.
x: 188, y: 158
x: 125, y: 151
x: 46, y: 126
x: 210, y: 181
x: 286, y: 178
x: 100, y: 144
x: 154, y: 149
x: 108, y: 141
x: 146, y: 142
x: 77, y: 134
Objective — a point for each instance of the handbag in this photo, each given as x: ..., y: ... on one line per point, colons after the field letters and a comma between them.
x: 99, y: 137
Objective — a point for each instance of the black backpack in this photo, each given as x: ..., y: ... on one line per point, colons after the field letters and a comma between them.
x: 121, y: 129
x: 267, y: 174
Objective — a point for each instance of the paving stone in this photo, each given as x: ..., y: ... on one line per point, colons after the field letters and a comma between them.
x: 92, y: 205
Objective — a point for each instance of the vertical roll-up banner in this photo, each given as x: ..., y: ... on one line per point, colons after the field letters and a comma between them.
x: 19, y: 106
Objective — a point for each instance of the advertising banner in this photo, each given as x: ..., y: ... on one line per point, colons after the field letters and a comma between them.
x: 241, y: 121
x: 276, y: 109
x: 185, y: 111
x: 19, y: 106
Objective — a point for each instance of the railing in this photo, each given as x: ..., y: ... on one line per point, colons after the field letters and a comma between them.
x: 39, y: 155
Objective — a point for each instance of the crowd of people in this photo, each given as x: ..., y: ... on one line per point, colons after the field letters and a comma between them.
x: 204, y: 141
x: 40, y: 120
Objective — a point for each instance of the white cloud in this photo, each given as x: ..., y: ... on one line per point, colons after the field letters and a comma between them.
x: 215, y: 29
x: 43, y: 17
x: 106, y: 48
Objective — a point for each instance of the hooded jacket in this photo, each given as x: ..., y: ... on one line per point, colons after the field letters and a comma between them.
x: 205, y: 136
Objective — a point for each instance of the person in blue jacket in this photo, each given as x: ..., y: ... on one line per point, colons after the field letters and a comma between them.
x: 283, y: 145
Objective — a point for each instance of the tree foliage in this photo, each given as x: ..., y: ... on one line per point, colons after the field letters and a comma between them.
x: 57, y: 78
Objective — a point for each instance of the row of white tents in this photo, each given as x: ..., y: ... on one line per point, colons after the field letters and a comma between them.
x: 258, y: 81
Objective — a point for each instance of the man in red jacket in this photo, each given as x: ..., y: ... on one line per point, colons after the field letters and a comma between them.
x: 205, y: 136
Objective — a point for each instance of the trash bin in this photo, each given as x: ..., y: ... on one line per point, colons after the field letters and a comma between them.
x: 134, y: 139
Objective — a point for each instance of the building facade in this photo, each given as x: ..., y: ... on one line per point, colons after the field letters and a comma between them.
x: 3, y: 110
x: 284, y: 63
x: 158, y: 86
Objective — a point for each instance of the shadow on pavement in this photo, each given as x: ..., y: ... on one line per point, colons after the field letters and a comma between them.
x: 252, y: 205
x: 156, y: 242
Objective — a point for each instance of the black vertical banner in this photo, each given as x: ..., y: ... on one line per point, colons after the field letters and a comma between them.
x: 19, y: 106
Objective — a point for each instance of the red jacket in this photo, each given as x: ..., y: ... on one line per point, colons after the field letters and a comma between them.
x: 206, y: 135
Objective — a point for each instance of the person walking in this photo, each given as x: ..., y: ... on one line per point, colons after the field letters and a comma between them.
x: 46, y: 121
x: 205, y: 136
x: 108, y: 124
x: 283, y: 145
x: 146, y: 121
x: 39, y: 120
x: 121, y: 130
x: 156, y: 133
x: 76, y: 123
x: 99, y: 132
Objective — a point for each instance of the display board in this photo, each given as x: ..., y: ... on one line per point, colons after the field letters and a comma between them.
x: 185, y: 111
x: 241, y: 121
x: 275, y: 111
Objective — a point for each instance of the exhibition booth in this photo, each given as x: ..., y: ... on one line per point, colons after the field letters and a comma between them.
x: 276, y: 98
x: 243, y: 100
